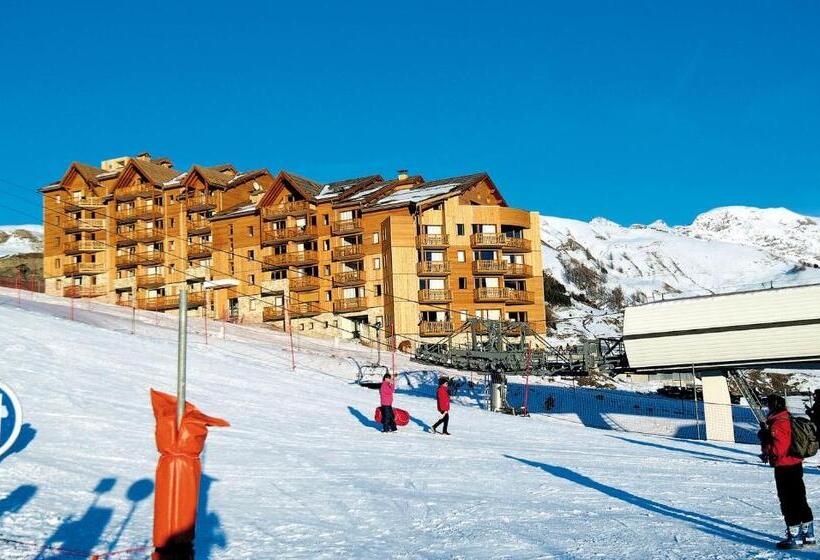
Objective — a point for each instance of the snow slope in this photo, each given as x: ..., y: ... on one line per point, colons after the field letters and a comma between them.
x: 20, y: 239
x: 304, y: 473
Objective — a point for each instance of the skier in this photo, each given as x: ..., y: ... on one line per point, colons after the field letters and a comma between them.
x: 443, y: 404
x: 386, y: 395
x: 776, y: 439
x: 813, y: 411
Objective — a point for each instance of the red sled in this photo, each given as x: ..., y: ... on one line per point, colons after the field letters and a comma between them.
x: 402, y: 416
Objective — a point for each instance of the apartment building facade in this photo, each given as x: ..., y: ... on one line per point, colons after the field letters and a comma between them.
x: 365, y: 257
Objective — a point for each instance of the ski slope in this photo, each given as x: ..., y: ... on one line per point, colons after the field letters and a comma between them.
x: 304, y: 473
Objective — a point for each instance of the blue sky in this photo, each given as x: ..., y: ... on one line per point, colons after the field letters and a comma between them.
x: 630, y: 110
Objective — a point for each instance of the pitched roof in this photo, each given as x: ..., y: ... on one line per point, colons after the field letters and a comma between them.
x: 235, y: 211
x: 247, y: 176
x: 428, y: 190
x: 223, y: 167
x: 212, y: 176
x: 157, y: 174
x: 340, y: 188
x: 307, y: 186
x: 88, y: 172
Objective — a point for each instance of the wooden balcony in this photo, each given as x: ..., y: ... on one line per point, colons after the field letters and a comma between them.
x: 303, y: 284
x: 145, y: 190
x: 348, y: 253
x: 148, y: 235
x: 435, y: 328
x: 518, y: 270
x: 431, y: 241
x: 129, y: 260
x: 83, y: 269
x: 139, y: 212
x: 304, y: 309
x: 284, y: 260
x: 276, y: 236
x: 150, y: 280
x: 516, y: 245
x: 83, y: 291
x: 199, y: 226
x: 349, y: 278
x: 273, y: 313
x: 350, y: 304
x: 150, y: 258
x: 488, y: 240
x: 489, y: 267
x: 164, y: 303
x: 195, y: 273
x: 346, y: 227
x: 200, y: 201
x: 490, y: 295
x: 88, y: 203
x: 435, y: 296
x: 84, y: 246
x: 296, y: 208
x: 519, y: 296
x: 84, y: 224
x: 200, y: 249
x: 125, y: 237
x: 432, y: 268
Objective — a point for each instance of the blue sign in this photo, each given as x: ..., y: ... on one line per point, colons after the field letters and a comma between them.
x: 11, y: 418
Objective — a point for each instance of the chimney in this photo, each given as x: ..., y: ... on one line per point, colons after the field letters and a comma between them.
x: 402, y: 174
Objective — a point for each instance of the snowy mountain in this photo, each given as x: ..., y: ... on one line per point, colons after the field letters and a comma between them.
x: 15, y: 240
x: 303, y: 471
x: 604, y: 265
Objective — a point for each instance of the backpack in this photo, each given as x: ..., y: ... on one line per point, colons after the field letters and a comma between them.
x: 804, y: 438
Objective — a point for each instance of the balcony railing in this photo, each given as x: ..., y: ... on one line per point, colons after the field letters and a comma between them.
x: 273, y: 236
x: 84, y: 224
x: 84, y: 246
x: 349, y: 278
x: 196, y: 273
x: 490, y: 294
x: 140, y: 212
x: 435, y: 296
x: 487, y: 239
x: 83, y: 291
x: 519, y: 296
x: 145, y: 258
x: 90, y: 202
x: 518, y: 270
x: 489, y: 267
x: 145, y: 190
x: 516, y: 244
x: 197, y: 202
x: 303, y: 283
x: 304, y: 309
x: 350, y: 304
x: 295, y: 208
x: 148, y: 235
x: 273, y: 313
x: 435, y: 328
x: 348, y: 253
x: 432, y: 241
x: 162, y: 303
x: 300, y: 258
x: 432, y: 268
x: 345, y: 227
x: 150, y: 280
x: 200, y: 249
x: 198, y: 227
x: 78, y: 269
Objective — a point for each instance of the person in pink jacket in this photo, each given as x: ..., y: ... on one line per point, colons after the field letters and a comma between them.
x: 443, y: 404
x: 386, y: 394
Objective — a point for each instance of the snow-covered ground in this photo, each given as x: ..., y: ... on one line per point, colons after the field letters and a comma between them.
x: 303, y: 472
x: 20, y: 239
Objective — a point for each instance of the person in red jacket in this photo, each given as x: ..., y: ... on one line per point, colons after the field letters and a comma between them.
x: 386, y: 391
x: 443, y: 404
x: 776, y: 439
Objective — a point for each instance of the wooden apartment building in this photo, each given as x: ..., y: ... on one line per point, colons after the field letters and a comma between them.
x: 364, y: 256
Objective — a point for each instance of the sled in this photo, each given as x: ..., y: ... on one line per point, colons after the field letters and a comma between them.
x: 402, y: 416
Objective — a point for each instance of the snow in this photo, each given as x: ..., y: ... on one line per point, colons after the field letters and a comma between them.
x: 20, y: 239
x: 417, y: 194
x: 304, y: 473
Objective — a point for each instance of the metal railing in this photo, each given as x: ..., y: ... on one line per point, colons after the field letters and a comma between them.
x: 489, y: 267
x: 435, y: 328
x: 490, y: 294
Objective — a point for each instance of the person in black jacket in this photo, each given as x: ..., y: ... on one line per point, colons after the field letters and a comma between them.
x: 813, y: 411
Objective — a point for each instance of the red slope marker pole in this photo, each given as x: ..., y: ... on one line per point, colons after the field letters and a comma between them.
x: 393, y: 347
x: 19, y: 287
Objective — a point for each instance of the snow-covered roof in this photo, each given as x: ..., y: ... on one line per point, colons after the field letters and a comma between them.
x: 429, y: 190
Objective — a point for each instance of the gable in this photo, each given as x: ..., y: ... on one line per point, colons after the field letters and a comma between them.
x: 483, y: 193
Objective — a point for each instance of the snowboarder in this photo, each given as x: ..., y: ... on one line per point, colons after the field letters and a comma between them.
x: 813, y: 411
x: 776, y: 440
x: 443, y: 404
x: 386, y: 395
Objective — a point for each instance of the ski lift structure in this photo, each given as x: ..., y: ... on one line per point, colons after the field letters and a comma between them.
x: 369, y: 375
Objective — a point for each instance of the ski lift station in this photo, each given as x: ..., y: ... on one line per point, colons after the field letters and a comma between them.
x: 712, y: 336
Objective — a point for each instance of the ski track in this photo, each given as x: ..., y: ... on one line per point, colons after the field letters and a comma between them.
x: 304, y: 472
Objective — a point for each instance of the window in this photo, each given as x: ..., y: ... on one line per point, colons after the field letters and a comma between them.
x: 375, y: 238
x: 461, y: 256
x: 459, y: 229
x: 250, y: 231
x: 326, y: 244
x: 250, y: 254
x: 462, y: 283
x: 278, y: 274
x: 328, y: 295
x: 57, y: 263
x: 326, y: 219
x: 327, y: 270
x: 171, y: 244
x: 378, y: 289
x: 252, y: 304
x: 377, y: 263
x: 251, y: 279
